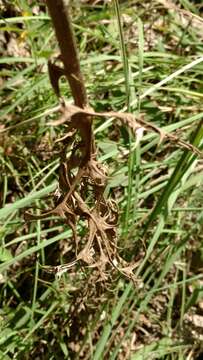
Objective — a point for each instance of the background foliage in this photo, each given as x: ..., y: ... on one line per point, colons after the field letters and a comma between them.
x: 138, y: 57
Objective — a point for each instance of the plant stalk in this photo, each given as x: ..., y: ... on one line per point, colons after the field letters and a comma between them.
x: 59, y: 12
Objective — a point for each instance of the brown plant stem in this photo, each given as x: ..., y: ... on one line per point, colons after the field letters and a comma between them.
x: 59, y: 12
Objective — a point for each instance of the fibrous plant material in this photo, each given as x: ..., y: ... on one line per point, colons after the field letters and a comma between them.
x: 82, y: 179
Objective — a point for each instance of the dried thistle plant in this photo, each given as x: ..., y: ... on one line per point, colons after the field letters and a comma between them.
x: 82, y: 179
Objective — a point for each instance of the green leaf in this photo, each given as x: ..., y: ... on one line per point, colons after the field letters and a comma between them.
x: 5, y: 254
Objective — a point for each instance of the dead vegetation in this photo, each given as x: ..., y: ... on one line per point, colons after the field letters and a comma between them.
x: 82, y: 179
